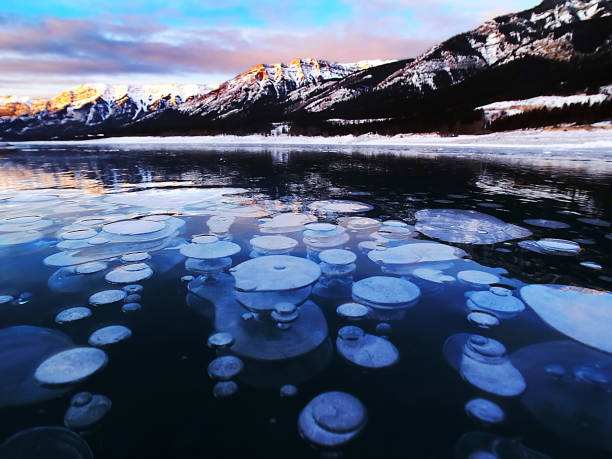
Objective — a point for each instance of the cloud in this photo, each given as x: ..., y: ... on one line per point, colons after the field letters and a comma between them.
x: 179, y: 42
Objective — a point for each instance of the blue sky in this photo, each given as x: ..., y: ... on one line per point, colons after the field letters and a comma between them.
x: 50, y: 45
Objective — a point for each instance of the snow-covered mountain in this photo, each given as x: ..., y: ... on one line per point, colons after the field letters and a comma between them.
x: 268, y: 84
x: 555, y: 29
x: 90, y: 107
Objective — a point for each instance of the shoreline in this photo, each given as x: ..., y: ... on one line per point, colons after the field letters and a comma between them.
x: 589, y: 137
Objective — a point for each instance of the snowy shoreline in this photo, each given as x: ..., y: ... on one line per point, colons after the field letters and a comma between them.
x: 583, y: 138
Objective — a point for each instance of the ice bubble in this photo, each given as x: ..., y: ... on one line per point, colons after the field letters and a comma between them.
x: 359, y: 224
x: 383, y: 329
x: 204, y: 239
x: 55, y: 442
x: 266, y: 301
x: 78, y: 234
x: 127, y: 274
x: 580, y: 313
x: 483, y: 319
x: 220, y: 224
x: 220, y: 340
x: 542, y: 223
x: 133, y: 227
x: 187, y: 279
x: 22, y: 348
x: 111, y: 334
x: 275, y: 273
x: 595, y: 222
x: 288, y: 390
x: 477, y: 278
x: 498, y: 301
x: 82, y: 416
x: 324, y: 235
x: 72, y: 315
x: 337, y: 257
x: 70, y: 366
x: 210, y: 251
x: 107, y: 297
x: 490, y: 205
x: 466, y: 226
x: 286, y: 223
x: 224, y: 389
x: 284, y: 312
x: 273, y: 245
x: 385, y: 292
x: 135, y: 256
x: 132, y: 298
x: 225, y: 367
x: 352, y: 311
x: 131, y: 307
x: 485, y: 445
x: 4, y: 299
x: 332, y: 419
x: 98, y: 240
x: 135, y: 288
x: 591, y: 265
x: 393, y: 233
x: 91, y: 267
x: 483, y: 363
x: 568, y: 390
x: 432, y: 275
x: 420, y: 252
x: 485, y: 411
x: 559, y: 245
x: 364, y: 350
x: 338, y: 206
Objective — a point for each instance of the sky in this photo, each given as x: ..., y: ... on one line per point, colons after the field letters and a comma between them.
x: 47, y: 46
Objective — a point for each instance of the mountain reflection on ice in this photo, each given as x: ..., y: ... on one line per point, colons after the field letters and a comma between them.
x: 223, y: 303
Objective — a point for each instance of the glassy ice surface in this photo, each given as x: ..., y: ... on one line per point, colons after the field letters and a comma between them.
x: 252, y: 282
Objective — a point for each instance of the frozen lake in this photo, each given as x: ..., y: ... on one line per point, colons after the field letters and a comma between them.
x: 323, y: 301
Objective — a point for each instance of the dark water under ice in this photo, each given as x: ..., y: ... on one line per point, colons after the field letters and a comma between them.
x: 162, y: 397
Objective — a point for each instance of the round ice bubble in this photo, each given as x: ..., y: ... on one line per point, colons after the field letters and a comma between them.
x: 210, y: 251
x: 224, y: 389
x: 107, y: 297
x: 485, y: 411
x: 591, y: 265
x: 131, y: 307
x: 275, y: 273
x: 364, y: 350
x: 543, y: 223
x: 337, y: 257
x: 559, y: 245
x: 483, y: 319
x: 72, y: 314
x: 416, y: 253
x: 477, y: 278
x: 385, y: 292
x: 91, y: 267
x: 70, y: 366
x: 79, y: 233
x: 220, y: 340
x: 273, y: 245
x: 133, y: 227
x: 111, y: 334
x: 466, y: 226
x: 225, y: 367
x: 352, y: 311
x: 127, y: 274
x: 5, y: 299
x: 83, y: 416
x: 288, y: 390
x: 132, y: 257
x: 580, y: 313
x: 339, y: 206
x: 496, y: 300
x: 332, y: 419
x: 595, y: 222
x: 135, y: 288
